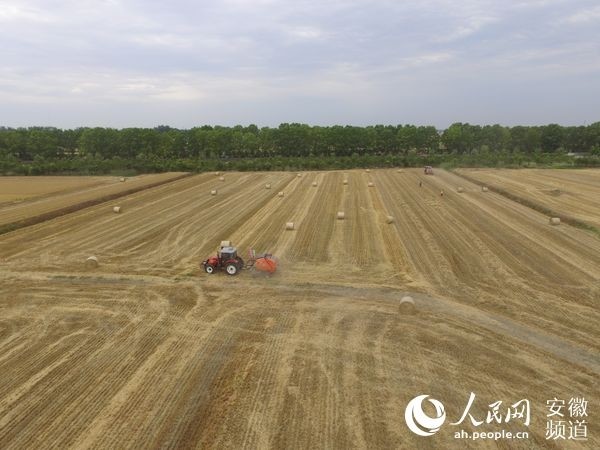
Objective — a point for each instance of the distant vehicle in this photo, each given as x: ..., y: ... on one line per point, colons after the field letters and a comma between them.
x: 428, y: 170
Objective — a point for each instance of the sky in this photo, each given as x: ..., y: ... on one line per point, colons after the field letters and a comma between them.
x: 184, y: 63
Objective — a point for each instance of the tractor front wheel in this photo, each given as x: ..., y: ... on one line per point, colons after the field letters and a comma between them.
x: 232, y: 269
x: 208, y: 268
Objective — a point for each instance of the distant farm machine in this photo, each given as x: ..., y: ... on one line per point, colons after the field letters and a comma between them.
x: 227, y: 259
x: 428, y: 170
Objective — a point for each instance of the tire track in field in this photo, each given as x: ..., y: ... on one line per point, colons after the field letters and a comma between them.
x: 265, y: 376
x: 362, y: 248
x: 71, y: 381
x: 311, y: 242
x: 393, y: 247
x: 168, y: 367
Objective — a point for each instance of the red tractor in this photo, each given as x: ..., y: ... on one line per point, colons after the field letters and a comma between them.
x: 428, y: 170
x: 228, y: 259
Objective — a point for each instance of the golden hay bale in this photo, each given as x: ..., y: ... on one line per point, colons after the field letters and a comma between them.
x: 407, y: 305
x: 554, y: 220
x: 400, y: 171
x: 116, y: 209
x: 368, y: 170
x: 484, y: 189
x: 268, y: 186
x: 221, y: 178
x: 122, y: 179
x: 299, y: 175
x: 217, y: 173
x: 371, y: 184
x: 460, y: 189
x: 213, y: 192
x: 314, y: 183
x: 341, y: 215
x: 280, y: 194
x: 91, y: 262
x: 389, y: 219
x: 289, y: 226
x: 345, y: 181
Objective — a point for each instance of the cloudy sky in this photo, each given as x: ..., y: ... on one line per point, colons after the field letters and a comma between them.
x: 121, y: 63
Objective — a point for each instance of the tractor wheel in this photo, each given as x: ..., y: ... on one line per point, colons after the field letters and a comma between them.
x: 209, y: 269
x: 232, y: 269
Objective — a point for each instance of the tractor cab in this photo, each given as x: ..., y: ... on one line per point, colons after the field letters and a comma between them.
x: 227, y: 253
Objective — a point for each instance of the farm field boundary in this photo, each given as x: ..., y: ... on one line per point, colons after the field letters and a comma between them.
x: 532, y: 204
x: 34, y: 220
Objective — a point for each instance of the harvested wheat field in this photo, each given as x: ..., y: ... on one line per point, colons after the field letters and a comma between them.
x: 14, y: 189
x: 573, y: 193
x: 145, y: 350
x: 25, y: 200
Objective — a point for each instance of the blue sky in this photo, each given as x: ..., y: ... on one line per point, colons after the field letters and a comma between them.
x: 184, y: 63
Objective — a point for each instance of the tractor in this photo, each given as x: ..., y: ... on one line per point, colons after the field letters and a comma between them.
x: 428, y: 170
x: 228, y: 259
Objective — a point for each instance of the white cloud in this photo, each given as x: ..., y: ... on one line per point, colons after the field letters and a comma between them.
x: 275, y: 52
x: 16, y: 12
x: 585, y: 16
x: 306, y: 32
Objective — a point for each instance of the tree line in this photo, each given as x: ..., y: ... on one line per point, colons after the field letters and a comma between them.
x: 204, y: 147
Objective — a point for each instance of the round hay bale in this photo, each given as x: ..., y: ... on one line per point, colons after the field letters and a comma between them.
x: 554, y: 220
x: 217, y: 173
x: 371, y: 184
x: 368, y: 170
x: 116, y: 209
x: 341, y: 215
x: 122, y: 179
x: 91, y: 262
x: 345, y: 181
x: 221, y: 178
x: 314, y: 183
x: 268, y: 186
x: 289, y: 226
x: 299, y: 175
x: 484, y: 189
x: 213, y: 192
x: 460, y: 189
x: 280, y: 194
x: 389, y: 219
x: 407, y: 305
x: 400, y: 171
